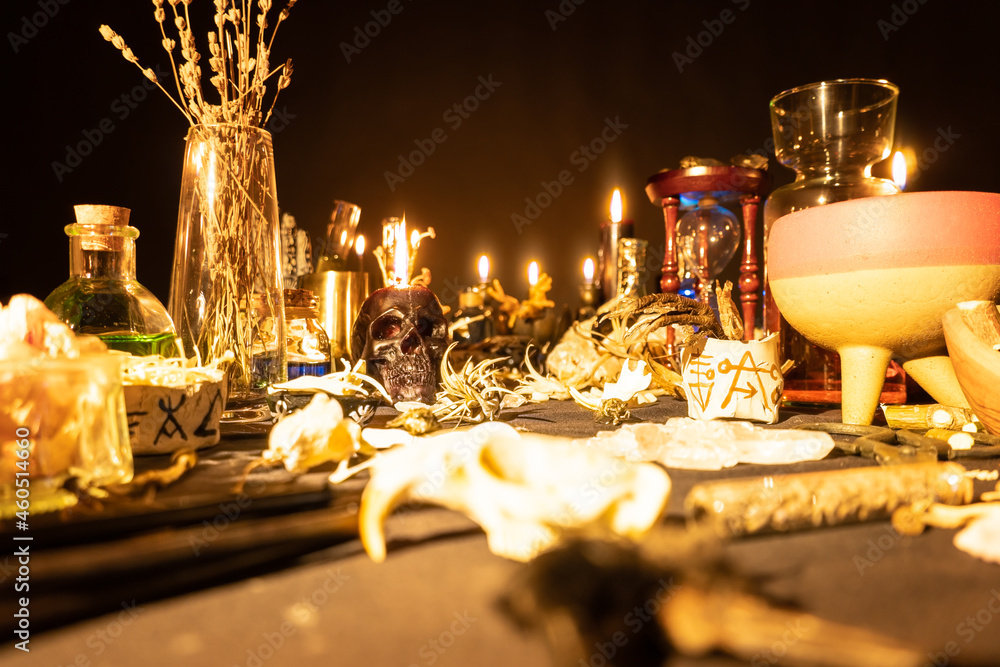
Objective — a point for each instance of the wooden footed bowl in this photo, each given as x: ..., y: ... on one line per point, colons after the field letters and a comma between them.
x: 971, y: 330
x: 872, y: 279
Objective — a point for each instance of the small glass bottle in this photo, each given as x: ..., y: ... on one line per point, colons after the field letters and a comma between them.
x: 307, y: 345
x: 102, y: 296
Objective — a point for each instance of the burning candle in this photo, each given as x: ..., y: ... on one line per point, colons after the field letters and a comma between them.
x: 359, y: 247
x: 899, y: 170
x: 532, y: 274
x: 589, y: 291
x: 473, y: 321
x: 400, y: 330
x: 588, y: 272
x: 613, y: 229
x: 484, y: 269
x: 616, y: 206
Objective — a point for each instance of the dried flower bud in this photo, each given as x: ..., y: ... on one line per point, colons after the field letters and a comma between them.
x: 107, y: 33
x: 118, y: 42
x: 261, y: 21
x: 168, y: 44
x: 159, y: 15
x: 173, y: 3
x: 150, y: 74
x: 180, y: 23
x: 213, y: 39
x: 129, y: 56
x: 157, y: 3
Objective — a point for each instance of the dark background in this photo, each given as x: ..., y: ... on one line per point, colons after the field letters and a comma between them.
x: 342, y: 125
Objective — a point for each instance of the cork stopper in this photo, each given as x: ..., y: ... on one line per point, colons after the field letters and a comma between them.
x: 300, y: 298
x: 99, y: 214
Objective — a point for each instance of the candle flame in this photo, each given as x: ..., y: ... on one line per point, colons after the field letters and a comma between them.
x: 484, y: 269
x: 401, y: 257
x: 899, y: 169
x: 616, y: 206
x: 359, y: 244
x: 533, y: 273
x: 588, y: 270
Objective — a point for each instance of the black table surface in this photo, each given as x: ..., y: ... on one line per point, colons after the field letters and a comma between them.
x: 202, y: 576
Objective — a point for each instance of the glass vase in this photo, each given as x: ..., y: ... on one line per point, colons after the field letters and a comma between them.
x: 226, y: 288
x: 831, y: 133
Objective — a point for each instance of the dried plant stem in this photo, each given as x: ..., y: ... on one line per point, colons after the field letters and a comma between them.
x: 230, y: 185
x: 239, y: 77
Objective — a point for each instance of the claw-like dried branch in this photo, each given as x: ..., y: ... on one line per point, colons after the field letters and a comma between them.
x: 663, y: 309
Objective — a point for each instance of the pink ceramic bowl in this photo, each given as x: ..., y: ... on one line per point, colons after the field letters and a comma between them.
x: 871, y: 278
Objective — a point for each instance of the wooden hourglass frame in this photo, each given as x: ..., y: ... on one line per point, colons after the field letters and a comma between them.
x: 665, y: 188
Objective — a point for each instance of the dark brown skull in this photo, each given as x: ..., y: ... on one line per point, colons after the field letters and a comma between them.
x: 402, y: 334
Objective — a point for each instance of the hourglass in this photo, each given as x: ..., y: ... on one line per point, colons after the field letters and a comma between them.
x: 707, y: 238
x: 665, y: 188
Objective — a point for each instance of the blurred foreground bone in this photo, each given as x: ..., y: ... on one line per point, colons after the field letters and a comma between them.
x: 525, y: 490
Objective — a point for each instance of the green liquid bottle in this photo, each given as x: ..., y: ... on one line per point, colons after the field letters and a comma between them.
x: 102, y: 296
